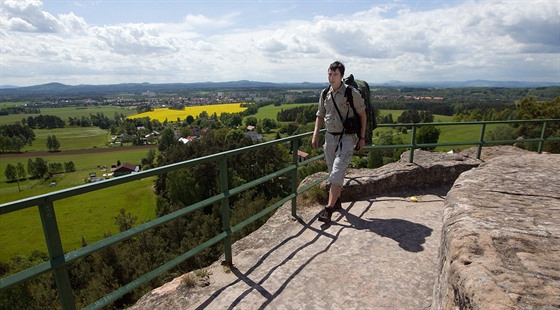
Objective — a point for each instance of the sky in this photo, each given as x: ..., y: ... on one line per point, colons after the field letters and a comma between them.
x: 136, y: 41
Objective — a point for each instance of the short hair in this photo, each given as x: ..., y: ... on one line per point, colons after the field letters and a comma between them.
x: 337, y: 65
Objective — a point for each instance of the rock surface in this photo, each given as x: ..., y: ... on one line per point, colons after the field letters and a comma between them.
x: 501, y: 236
x: 430, y: 169
x: 498, y: 248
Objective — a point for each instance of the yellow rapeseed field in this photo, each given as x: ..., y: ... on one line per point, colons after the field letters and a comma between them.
x: 162, y: 114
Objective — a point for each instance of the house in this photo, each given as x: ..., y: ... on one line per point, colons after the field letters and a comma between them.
x: 187, y: 139
x: 124, y: 169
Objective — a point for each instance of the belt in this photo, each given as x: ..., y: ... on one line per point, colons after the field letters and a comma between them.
x: 336, y: 133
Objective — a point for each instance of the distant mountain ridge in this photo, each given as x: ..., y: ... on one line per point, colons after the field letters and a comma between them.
x: 67, y: 90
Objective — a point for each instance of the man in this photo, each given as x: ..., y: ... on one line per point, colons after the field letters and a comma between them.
x: 339, y: 146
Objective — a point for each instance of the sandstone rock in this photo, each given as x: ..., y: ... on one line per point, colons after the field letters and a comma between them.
x: 491, y: 152
x: 430, y: 169
x: 501, y: 236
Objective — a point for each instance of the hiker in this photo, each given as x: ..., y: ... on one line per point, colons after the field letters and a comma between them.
x: 339, y: 145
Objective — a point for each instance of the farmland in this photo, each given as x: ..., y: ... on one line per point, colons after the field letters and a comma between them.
x: 88, y: 216
x: 163, y: 114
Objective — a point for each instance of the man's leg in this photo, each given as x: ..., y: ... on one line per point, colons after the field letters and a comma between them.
x: 334, y: 194
x: 336, y: 177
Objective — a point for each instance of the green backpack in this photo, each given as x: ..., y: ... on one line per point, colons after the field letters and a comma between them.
x: 363, y: 88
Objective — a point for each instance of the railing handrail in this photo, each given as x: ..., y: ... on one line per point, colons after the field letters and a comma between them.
x: 58, y: 260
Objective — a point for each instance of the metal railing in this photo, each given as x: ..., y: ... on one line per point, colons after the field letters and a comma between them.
x: 58, y: 261
x: 479, y: 143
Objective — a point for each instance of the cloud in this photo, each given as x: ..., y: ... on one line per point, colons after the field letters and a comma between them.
x: 507, y: 40
x: 134, y: 39
x: 28, y: 16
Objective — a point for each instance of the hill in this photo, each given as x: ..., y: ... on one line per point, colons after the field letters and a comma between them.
x: 58, y: 89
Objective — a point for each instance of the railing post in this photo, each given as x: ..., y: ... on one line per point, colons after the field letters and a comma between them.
x: 226, y: 226
x: 480, y: 141
x: 295, y: 161
x: 56, y: 255
x: 542, y: 137
x: 413, y: 144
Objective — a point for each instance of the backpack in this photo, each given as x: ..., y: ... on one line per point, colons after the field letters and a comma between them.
x: 363, y: 88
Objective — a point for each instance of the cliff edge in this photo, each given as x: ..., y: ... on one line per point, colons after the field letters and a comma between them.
x: 500, y: 246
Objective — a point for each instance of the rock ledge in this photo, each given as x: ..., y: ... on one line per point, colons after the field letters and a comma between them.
x: 500, y: 244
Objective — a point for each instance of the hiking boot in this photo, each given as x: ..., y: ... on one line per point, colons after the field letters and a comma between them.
x: 338, y: 204
x: 326, y: 214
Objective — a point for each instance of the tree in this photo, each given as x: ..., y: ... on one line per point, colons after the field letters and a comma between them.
x: 149, y: 161
x: 11, y: 173
x: 125, y: 221
x: 167, y: 139
x: 530, y: 108
x: 251, y: 121
x: 409, y: 116
x: 69, y: 166
x: 31, y: 169
x: 52, y: 143
x: 38, y: 168
x: 374, y: 159
x: 501, y: 132
x: 21, y: 171
x: 428, y: 134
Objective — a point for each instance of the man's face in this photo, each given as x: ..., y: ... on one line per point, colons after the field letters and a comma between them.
x: 335, y: 79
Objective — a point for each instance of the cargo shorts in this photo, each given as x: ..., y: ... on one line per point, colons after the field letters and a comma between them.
x: 338, y: 153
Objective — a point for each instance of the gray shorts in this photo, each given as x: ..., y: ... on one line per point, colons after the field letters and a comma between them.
x: 338, y: 160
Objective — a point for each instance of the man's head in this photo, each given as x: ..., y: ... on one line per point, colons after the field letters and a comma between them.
x: 336, y: 73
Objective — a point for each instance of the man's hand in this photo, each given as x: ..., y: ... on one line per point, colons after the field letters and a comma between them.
x: 314, y: 142
x: 361, y: 143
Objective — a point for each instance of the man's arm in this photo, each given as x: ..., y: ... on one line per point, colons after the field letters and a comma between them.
x: 319, y: 121
x: 363, y: 121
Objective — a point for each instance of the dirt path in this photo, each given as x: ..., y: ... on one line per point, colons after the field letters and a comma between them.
x: 75, y: 152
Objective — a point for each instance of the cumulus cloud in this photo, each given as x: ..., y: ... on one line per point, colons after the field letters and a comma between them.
x: 133, y: 39
x: 28, y: 16
x: 507, y: 40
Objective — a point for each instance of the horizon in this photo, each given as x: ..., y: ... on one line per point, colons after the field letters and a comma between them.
x: 388, y: 83
x: 115, y: 42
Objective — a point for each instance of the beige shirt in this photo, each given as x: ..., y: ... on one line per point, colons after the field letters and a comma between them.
x: 326, y: 110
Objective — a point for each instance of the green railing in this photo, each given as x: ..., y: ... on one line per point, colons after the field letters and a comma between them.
x: 480, y: 142
x: 58, y: 262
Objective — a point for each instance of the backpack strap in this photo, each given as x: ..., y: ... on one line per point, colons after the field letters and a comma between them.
x: 325, y: 92
x: 350, y: 98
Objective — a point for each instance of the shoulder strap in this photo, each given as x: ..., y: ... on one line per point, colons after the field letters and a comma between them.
x: 324, y: 92
x: 350, y: 98
x: 337, y: 110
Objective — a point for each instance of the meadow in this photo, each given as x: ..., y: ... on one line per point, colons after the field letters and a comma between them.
x: 271, y: 111
x: 89, y: 215
x: 65, y: 112
x: 163, y: 114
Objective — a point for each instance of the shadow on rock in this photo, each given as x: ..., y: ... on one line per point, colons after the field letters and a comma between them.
x: 410, y: 236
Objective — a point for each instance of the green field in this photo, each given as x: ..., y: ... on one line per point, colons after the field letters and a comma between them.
x: 65, y: 112
x: 89, y: 215
x: 70, y: 138
x: 271, y: 111
x: 449, y: 133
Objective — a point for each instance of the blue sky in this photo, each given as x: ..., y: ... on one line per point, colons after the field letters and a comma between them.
x: 106, y: 42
